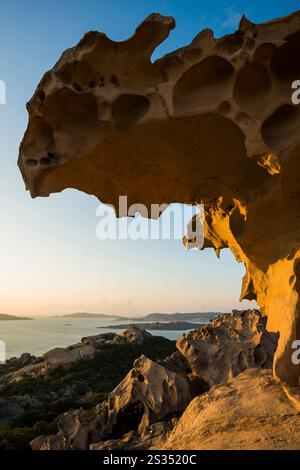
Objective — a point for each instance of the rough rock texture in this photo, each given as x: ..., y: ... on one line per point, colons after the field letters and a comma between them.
x: 249, y: 412
x: 148, y: 394
x: 142, y: 410
x: 229, y: 345
x: 210, y: 123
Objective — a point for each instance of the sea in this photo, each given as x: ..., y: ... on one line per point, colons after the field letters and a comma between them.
x: 39, y: 335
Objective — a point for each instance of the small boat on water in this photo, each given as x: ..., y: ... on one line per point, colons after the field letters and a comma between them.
x: 67, y: 324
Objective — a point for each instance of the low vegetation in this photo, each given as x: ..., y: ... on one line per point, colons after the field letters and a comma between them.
x: 84, y: 384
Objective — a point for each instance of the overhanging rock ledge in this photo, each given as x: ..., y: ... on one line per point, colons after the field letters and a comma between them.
x: 211, y: 123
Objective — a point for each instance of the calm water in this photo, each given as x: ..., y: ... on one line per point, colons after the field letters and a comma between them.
x: 40, y: 335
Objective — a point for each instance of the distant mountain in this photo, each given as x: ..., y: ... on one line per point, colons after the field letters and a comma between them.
x: 87, y: 315
x: 166, y: 326
x: 196, y: 316
x: 4, y: 317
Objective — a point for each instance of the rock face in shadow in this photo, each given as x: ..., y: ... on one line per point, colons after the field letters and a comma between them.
x: 142, y: 410
x: 211, y: 123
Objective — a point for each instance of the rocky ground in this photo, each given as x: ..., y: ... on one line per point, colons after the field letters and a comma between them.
x: 251, y: 411
x: 215, y: 391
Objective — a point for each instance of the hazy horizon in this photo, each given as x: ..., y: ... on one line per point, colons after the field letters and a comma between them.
x: 62, y: 314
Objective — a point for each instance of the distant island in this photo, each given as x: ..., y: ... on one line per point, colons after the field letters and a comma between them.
x: 196, y: 316
x: 177, y: 325
x: 4, y: 317
x: 203, y: 317
x: 89, y: 315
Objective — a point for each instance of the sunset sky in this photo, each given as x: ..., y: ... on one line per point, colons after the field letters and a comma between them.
x: 51, y: 261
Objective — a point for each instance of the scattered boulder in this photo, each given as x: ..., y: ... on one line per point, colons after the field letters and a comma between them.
x: 98, y: 339
x: 135, y: 335
x: 149, y: 393
x: 66, y: 356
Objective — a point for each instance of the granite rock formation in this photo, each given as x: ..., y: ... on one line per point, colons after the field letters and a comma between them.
x: 142, y: 410
x: 229, y: 345
x: 210, y: 123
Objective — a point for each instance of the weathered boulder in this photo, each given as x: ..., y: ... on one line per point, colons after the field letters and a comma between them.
x: 132, y: 335
x: 148, y: 394
x: 76, y: 429
x: 249, y: 412
x: 52, y: 442
x: 98, y: 339
x: 135, y: 335
x: 32, y: 370
x: 66, y: 356
x: 212, y: 123
x: 231, y: 344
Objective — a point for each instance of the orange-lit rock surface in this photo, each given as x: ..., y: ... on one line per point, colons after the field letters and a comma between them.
x: 211, y: 123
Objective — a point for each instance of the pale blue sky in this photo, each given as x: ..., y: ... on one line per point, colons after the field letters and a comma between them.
x: 51, y: 260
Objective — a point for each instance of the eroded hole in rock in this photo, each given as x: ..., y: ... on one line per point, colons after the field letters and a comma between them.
x: 128, y: 110
x: 141, y: 378
x: 114, y: 81
x: 128, y: 420
x: 281, y: 129
x: 224, y: 107
x: 286, y: 60
x: 251, y: 86
x: 45, y: 161
x: 78, y: 73
x: 204, y: 84
x: 31, y: 162
x: 77, y: 87
x: 74, y: 120
x: 259, y: 355
x: 40, y: 139
x: 52, y: 156
x: 242, y: 361
x: 41, y: 95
